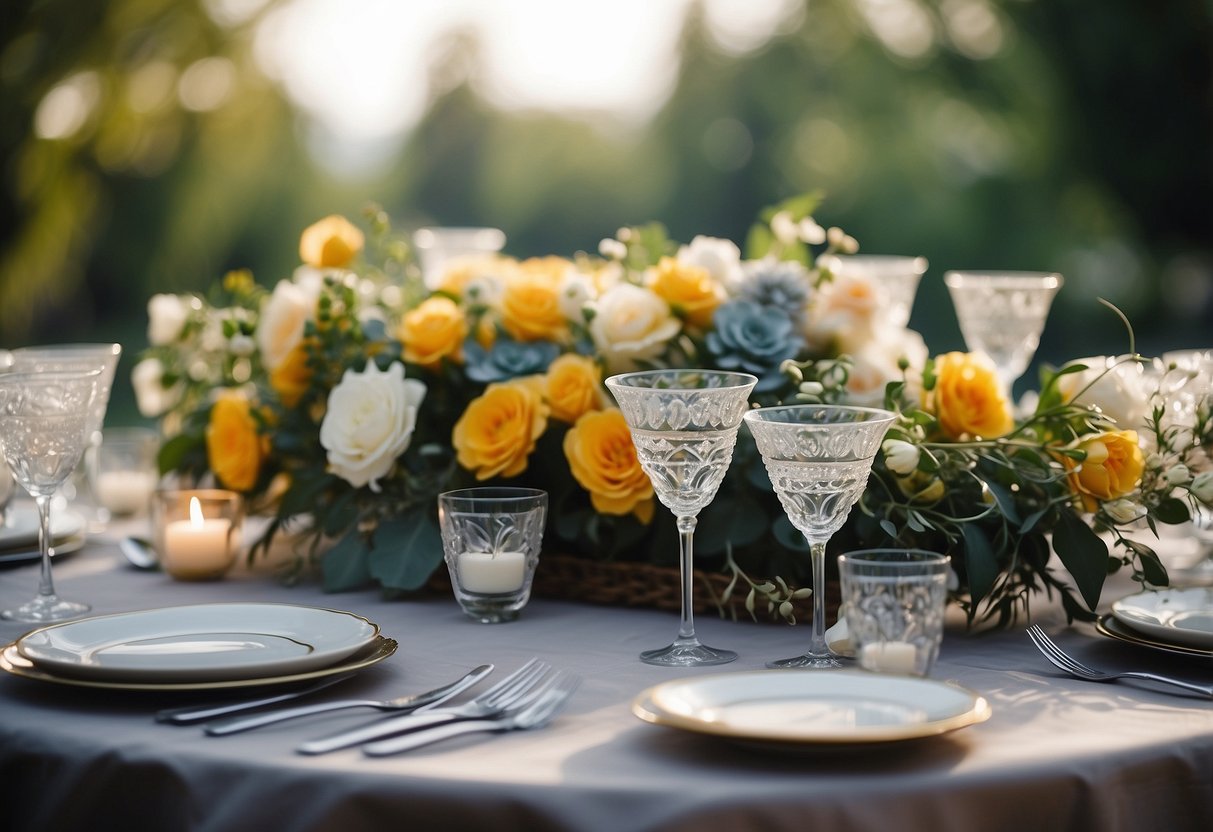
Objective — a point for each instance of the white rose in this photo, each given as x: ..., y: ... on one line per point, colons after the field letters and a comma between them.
x: 631, y: 323
x: 166, y: 317
x: 876, y: 363
x: 720, y: 258
x: 1116, y: 389
x: 283, y: 317
x: 1202, y: 487
x: 152, y: 397
x: 369, y: 422
x: 1177, y: 474
x: 900, y: 457
x: 576, y: 290
x: 1124, y: 511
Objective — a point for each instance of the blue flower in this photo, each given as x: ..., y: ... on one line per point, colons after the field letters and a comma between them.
x: 755, y: 338
x: 508, y: 359
x: 781, y: 284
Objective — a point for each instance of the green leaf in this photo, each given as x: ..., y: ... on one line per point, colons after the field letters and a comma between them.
x: 738, y: 522
x: 1083, y: 554
x: 346, y: 565
x: 888, y: 528
x: 1152, y: 568
x: 758, y: 241
x: 173, y: 452
x: 1172, y: 511
x: 340, y: 515
x: 407, y: 550
x: 1005, y: 500
x: 1031, y: 520
x: 980, y: 563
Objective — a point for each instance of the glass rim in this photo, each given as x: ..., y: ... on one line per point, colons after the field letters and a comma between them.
x: 111, y: 347
x: 913, y: 557
x: 1005, y: 277
x: 496, y: 493
x: 877, y: 414
x: 911, y: 262
x: 619, y: 380
x: 215, y: 494
x: 26, y: 376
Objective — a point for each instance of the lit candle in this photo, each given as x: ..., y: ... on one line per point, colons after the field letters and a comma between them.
x: 492, y: 573
x: 890, y: 657
x: 125, y: 492
x: 197, y: 548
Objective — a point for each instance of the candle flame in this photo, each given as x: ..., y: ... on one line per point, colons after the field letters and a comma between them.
x: 195, y: 513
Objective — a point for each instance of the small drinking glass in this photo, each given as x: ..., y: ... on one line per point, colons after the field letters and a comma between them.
x: 122, y: 471
x: 894, y: 605
x: 440, y: 248
x: 1002, y: 314
x: 895, y: 276
x: 491, y: 538
x: 198, y: 532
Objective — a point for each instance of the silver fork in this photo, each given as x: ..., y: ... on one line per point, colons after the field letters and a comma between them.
x: 415, y: 702
x: 493, y: 701
x: 534, y: 711
x: 1070, y: 665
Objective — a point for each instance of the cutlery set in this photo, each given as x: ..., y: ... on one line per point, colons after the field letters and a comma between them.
x: 525, y: 699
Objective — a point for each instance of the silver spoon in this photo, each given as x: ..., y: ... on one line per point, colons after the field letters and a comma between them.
x: 139, y: 553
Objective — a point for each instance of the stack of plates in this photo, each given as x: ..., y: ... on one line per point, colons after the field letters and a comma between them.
x: 19, y: 535
x: 1174, y: 620
x: 199, y: 647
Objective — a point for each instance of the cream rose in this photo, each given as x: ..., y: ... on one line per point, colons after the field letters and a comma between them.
x: 283, y: 317
x: 1116, y: 389
x: 166, y: 317
x: 721, y: 259
x: 631, y: 323
x: 152, y: 397
x: 369, y: 422
x: 844, y: 313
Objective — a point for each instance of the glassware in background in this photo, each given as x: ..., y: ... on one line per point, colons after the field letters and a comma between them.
x: 1002, y: 314
x: 8, y: 488
x: 818, y: 458
x: 894, y: 603
x: 45, y: 422
x: 491, y: 538
x: 77, y: 358
x: 1187, y: 380
x: 440, y: 248
x: 895, y: 275
x: 684, y: 426
x: 198, y: 532
x: 122, y: 473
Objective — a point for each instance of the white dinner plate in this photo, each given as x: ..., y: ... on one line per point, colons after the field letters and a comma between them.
x: 62, y: 547
x: 831, y: 707
x: 20, y: 528
x: 1109, y: 626
x: 1178, y: 616
x: 204, y: 642
x: 14, y: 663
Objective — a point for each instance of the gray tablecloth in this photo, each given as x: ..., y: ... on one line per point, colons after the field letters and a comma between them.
x: 1057, y: 753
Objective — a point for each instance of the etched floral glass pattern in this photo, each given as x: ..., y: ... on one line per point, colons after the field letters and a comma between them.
x: 894, y: 276
x: 894, y: 601
x: 818, y: 458
x: 1002, y: 314
x: 491, y: 539
x: 45, y: 422
x: 684, y: 426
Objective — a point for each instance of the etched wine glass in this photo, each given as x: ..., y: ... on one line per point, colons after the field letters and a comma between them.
x: 1002, y: 314
x: 684, y: 426
x: 45, y: 420
x: 896, y: 277
x: 818, y: 458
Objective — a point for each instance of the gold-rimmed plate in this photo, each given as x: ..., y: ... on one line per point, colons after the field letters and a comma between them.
x: 61, y: 549
x: 1109, y: 626
x: 820, y: 709
x: 381, y: 648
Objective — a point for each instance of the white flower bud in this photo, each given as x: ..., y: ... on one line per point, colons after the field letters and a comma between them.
x: 612, y: 249
x: 1124, y: 511
x: 1155, y: 461
x: 835, y: 237
x: 1177, y: 474
x: 812, y: 388
x: 242, y: 345
x: 849, y: 245
x: 1202, y: 487
x: 900, y: 457
x: 784, y: 228
x: 811, y: 232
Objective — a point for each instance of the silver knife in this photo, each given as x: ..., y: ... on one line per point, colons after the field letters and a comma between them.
x: 191, y: 714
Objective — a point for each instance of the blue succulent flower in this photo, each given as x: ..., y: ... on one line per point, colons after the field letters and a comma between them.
x: 781, y: 284
x: 755, y: 338
x: 507, y: 359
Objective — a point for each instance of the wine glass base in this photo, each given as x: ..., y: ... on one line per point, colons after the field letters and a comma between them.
x: 806, y: 662
x: 44, y: 609
x: 687, y: 655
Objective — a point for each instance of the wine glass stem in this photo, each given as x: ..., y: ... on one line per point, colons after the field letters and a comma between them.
x: 46, y: 587
x: 818, y: 647
x: 686, y: 541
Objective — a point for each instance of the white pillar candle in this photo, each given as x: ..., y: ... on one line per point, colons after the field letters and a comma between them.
x: 492, y: 573
x: 125, y: 492
x: 198, y: 547
x: 890, y: 657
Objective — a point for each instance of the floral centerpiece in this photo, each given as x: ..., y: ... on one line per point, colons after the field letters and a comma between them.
x: 342, y: 401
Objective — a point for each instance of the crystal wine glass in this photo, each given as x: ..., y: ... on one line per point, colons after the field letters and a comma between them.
x: 895, y: 276
x: 1002, y: 314
x: 45, y: 420
x: 684, y: 426
x: 818, y: 458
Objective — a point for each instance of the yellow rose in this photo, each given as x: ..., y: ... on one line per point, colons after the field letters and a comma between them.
x: 291, y: 378
x: 330, y: 243
x: 686, y: 287
x: 1112, y: 468
x: 603, y: 460
x: 573, y: 387
x: 498, y: 430
x: 968, y: 398
x: 433, y: 331
x: 530, y: 301
x: 233, y: 447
